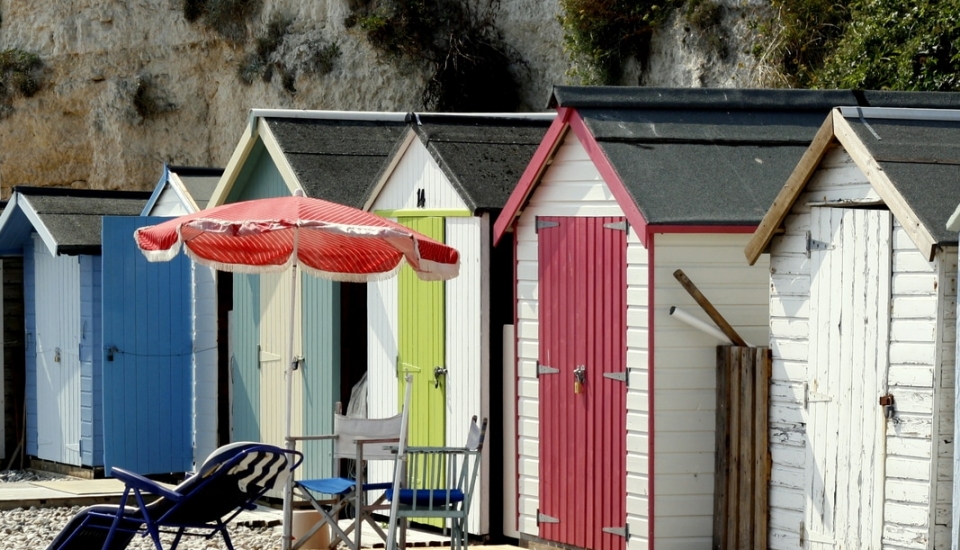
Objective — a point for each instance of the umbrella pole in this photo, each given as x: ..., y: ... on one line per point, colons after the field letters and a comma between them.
x: 290, y: 443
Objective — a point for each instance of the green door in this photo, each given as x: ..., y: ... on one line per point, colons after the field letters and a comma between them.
x: 420, y: 348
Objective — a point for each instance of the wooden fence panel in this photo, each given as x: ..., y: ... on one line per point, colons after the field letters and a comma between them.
x: 743, y: 452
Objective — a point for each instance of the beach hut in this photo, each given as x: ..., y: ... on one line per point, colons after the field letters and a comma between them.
x: 335, y: 156
x: 12, y: 371
x: 863, y: 286
x: 57, y: 232
x: 449, y: 179
x: 180, y: 190
x: 616, y: 398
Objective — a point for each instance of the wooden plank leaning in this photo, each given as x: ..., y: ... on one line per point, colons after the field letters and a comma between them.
x: 721, y: 323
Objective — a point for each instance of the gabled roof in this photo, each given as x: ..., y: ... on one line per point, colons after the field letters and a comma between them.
x: 693, y: 157
x: 331, y: 155
x: 482, y: 155
x: 911, y: 157
x: 193, y: 186
x: 68, y: 220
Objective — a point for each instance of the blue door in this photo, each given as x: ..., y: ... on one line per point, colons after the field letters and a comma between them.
x: 147, y: 357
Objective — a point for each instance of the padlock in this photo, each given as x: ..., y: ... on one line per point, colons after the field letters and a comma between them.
x: 579, y: 378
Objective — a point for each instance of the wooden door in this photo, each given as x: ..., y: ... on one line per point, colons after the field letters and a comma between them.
x: 582, y: 331
x: 421, y: 345
x: 275, y: 334
x: 148, y: 355
x: 845, y: 428
x: 57, y: 302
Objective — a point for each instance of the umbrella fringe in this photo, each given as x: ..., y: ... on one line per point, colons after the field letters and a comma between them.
x: 160, y: 255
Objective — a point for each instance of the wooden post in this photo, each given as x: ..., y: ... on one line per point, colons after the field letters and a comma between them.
x: 722, y: 323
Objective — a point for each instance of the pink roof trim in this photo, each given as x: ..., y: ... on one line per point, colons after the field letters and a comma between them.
x: 610, y: 177
x: 531, y: 176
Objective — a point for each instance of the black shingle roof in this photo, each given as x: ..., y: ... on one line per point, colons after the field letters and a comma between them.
x: 336, y: 160
x: 73, y: 216
x: 922, y: 160
x: 712, y: 156
x: 483, y: 157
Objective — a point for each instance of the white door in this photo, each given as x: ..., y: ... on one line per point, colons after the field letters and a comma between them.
x: 57, y: 299
x: 846, y: 376
x: 274, y: 357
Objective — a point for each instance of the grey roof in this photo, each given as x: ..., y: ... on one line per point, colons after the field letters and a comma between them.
x: 200, y: 182
x: 337, y: 160
x: 697, y: 156
x: 922, y: 160
x: 482, y: 156
x: 73, y: 216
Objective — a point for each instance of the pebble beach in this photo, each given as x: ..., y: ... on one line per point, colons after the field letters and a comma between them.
x: 34, y: 528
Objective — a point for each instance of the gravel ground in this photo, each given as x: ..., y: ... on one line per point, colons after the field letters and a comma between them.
x: 33, y: 528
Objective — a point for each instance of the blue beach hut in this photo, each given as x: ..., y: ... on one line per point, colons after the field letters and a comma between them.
x: 57, y: 232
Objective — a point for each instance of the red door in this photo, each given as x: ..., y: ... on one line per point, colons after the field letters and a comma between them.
x: 582, y: 305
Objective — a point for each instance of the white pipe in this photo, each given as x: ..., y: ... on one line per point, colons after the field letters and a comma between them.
x: 696, y: 323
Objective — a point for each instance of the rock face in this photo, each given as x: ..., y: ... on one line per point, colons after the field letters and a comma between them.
x: 130, y: 84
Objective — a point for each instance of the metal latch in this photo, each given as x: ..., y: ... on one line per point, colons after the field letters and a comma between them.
x: 889, y: 406
x: 579, y: 378
x: 437, y: 373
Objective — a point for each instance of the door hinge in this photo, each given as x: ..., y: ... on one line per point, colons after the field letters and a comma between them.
x: 619, y: 531
x: 543, y: 224
x: 622, y: 225
x: 814, y: 397
x: 544, y: 518
x: 816, y: 245
x: 618, y: 376
x: 543, y: 369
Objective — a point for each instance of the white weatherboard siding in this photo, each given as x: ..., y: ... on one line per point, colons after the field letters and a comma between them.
x: 417, y: 170
x: 573, y: 187
x: 685, y: 366
x: 382, y: 394
x: 917, y: 479
x: 168, y: 203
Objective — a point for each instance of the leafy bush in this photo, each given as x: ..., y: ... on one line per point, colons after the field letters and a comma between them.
x: 600, y: 34
x: 897, y: 45
x: 470, y: 64
x: 228, y: 18
x: 801, y: 36
x: 21, y: 74
x: 316, y: 56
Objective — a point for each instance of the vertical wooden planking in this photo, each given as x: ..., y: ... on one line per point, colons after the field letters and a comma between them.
x: 721, y: 510
x: 583, y: 433
x: 31, y: 366
x: 761, y: 446
x: 244, y: 359
x: 320, y: 373
x: 147, y: 326
x: 736, y: 411
x: 382, y: 355
x: 745, y: 490
x: 58, y: 362
x: 466, y: 359
x: 203, y: 315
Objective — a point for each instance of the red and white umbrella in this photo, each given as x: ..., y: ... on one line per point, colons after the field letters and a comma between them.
x: 323, y: 238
